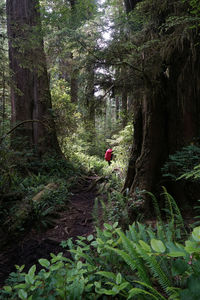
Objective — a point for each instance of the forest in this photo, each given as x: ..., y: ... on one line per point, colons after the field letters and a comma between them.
x: 100, y: 149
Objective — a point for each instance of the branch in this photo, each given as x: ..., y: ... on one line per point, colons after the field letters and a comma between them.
x: 108, y: 90
x: 11, y: 130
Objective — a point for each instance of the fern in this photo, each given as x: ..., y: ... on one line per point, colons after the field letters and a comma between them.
x: 138, y: 291
x: 132, y: 233
x: 155, y: 268
x: 156, y: 206
x: 134, y: 263
x: 126, y: 257
x: 129, y: 246
x: 175, y: 211
x: 151, y: 233
x: 161, y: 231
x: 154, y: 291
x: 142, y: 232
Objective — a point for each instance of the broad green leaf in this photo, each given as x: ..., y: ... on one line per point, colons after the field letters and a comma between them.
x: 22, y: 294
x: 107, y: 234
x: 7, y: 288
x: 196, y: 234
x: 115, y: 224
x: 107, y: 226
x: 176, y: 254
x: 158, y: 246
x: 90, y: 238
x: 118, y: 279
x: 56, y: 266
x: 99, y: 241
x: 44, y: 262
x: 32, y: 270
x: 191, y: 247
x: 20, y: 286
x: 29, y: 278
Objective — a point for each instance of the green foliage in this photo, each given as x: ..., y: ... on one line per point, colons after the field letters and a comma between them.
x: 22, y: 176
x: 138, y: 264
x: 195, y: 7
x: 182, y: 162
x: 122, y: 146
x: 7, y: 172
x: 64, y: 111
x: 118, y: 207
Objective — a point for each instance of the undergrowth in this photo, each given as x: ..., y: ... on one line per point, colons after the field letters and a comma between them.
x: 141, y: 263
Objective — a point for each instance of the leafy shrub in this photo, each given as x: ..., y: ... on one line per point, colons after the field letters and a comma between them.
x: 143, y: 263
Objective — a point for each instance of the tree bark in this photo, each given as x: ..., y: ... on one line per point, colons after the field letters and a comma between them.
x: 167, y: 116
x: 166, y: 120
x: 73, y: 82
x: 124, y: 106
x: 89, y: 118
x: 30, y: 95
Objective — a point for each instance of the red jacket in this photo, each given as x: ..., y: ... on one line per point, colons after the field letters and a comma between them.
x: 108, y: 154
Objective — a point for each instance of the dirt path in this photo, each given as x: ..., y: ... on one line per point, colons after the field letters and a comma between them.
x: 75, y: 221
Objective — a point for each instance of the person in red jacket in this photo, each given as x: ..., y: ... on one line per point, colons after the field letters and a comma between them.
x: 108, y: 155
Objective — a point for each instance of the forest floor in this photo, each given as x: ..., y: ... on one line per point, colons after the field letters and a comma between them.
x: 76, y: 220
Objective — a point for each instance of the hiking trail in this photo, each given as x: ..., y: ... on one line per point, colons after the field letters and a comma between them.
x: 75, y: 220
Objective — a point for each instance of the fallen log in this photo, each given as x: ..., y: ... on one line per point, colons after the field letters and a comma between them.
x: 49, y: 187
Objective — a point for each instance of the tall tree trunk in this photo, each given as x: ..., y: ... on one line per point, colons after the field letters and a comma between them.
x: 30, y: 96
x: 117, y: 107
x: 166, y: 120
x: 124, y: 106
x: 73, y: 82
x: 90, y: 103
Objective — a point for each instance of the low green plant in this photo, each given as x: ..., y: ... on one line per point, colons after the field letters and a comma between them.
x: 138, y: 264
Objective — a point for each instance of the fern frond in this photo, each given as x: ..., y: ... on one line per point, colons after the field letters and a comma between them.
x: 174, y: 293
x: 176, y: 210
x: 155, y: 268
x: 133, y: 233
x: 151, y: 233
x: 169, y: 209
x: 138, y: 291
x: 125, y: 256
x: 129, y: 246
x: 161, y: 231
x: 136, y: 264
x: 156, y: 206
x: 154, y: 291
x: 142, y: 232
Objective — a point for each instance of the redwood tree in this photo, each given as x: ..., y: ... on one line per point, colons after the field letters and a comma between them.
x: 30, y: 95
x: 167, y: 110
